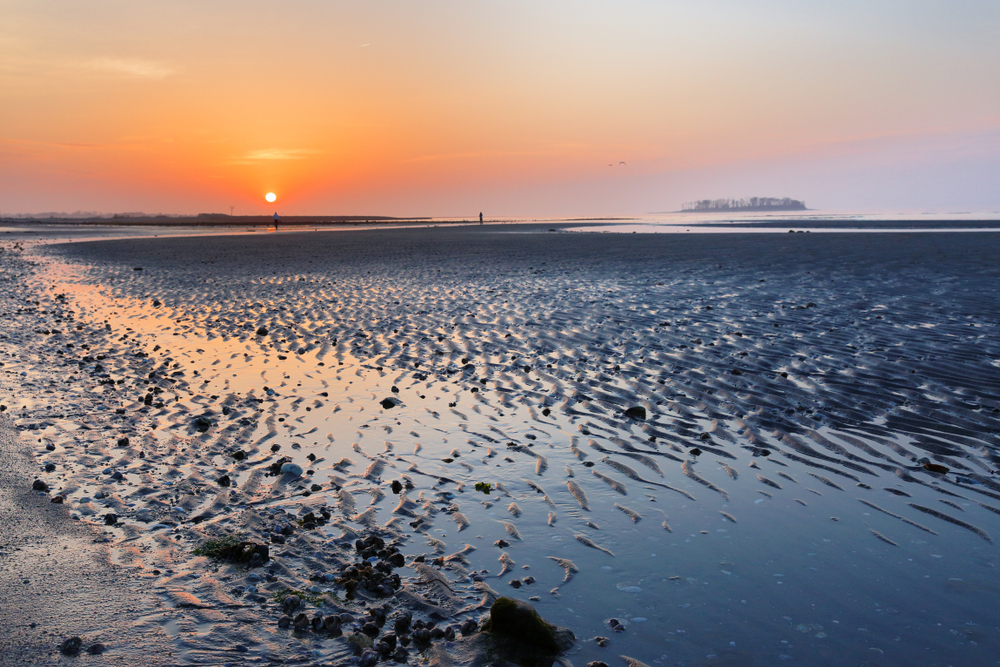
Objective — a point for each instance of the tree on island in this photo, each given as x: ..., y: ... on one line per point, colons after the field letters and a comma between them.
x: 746, y: 204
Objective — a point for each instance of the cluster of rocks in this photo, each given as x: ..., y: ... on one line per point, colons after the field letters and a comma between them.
x: 373, y: 573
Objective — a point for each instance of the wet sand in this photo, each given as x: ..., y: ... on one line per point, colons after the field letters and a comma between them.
x: 783, y: 379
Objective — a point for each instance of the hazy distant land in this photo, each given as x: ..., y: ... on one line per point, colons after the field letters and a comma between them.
x: 749, y: 204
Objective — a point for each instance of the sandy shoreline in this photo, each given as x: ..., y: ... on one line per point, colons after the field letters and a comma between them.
x: 515, y: 353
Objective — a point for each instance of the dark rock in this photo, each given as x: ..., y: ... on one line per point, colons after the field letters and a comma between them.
x: 368, y: 658
x: 39, y: 485
x: 402, y: 622
x: 290, y: 604
x: 370, y: 629
x: 284, y: 621
x: 401, y: 655
x: 694, y: 451
x: 332, y: 624
x: 636, y: 412
x: 503, y: 544
x: 519, y: 622
x: 317, y: 622
x: 597, y: 663
x: 225, y: 481
x: 301, y: 622
x: 50, y: 467
x: 396, y: 486
x: 391, y: 402
x: 71, y: 646
x: 58, y: 499
x: 470, y: 627
x: 516, y: 583
x: 262, y: 331
x: 602, y: 641
x: 110, y: 519
x: 202, y: 423
x: 97, y: 648
x: 123, y: 442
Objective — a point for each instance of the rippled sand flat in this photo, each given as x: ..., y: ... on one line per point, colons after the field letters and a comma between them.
x: 814, y: 481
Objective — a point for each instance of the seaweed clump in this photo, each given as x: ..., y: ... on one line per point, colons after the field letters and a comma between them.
x: 518, y: 623
x: 233, y: 549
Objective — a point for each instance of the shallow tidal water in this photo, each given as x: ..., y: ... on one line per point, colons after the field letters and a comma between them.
x: 774, y: 506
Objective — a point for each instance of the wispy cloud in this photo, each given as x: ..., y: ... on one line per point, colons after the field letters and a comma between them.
x: 276, y: 154
x: 129, y: 67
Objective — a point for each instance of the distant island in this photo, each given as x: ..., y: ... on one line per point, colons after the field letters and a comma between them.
x: 748, y: 204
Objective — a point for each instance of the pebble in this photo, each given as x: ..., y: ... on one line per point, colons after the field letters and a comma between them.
x: 71, y: 646
x: 293, y: 469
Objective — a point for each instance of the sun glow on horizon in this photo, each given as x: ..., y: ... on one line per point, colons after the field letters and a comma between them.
x: 270, y: 196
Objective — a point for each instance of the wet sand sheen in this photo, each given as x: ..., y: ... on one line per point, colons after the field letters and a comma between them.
x: 500, y: 354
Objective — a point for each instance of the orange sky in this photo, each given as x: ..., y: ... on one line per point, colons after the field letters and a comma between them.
x: 515, y: 108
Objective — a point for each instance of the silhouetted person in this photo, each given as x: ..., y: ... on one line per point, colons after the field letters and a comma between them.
x: 277, y: 221
x: 480, y: 217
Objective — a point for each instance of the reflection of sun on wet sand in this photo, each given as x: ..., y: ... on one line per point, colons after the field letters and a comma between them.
x: 421, y: 420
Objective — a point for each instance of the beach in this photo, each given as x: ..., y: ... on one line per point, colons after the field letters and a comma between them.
x: 699, y: 449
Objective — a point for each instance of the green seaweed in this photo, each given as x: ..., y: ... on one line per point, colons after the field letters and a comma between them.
x: 218, y: 548
x: 315, y: 600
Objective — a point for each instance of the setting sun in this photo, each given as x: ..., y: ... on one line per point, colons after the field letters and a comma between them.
x: 270, y: 196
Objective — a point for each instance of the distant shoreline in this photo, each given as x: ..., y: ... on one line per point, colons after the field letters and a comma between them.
x: 257, y: 220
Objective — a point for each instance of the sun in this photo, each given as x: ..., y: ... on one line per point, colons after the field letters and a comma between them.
x: 270, y: 196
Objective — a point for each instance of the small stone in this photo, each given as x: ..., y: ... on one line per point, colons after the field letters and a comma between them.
x: 291, y: 603
x: 301, y: 622
x: 71, y: 646
x: 602, y: 641
x: 284, y: 621
x: 202, y: 423
x: 597, y: 663
x: 636, y: 412
x: 96, y: 648
x: 110, y: 519
x: 390, y: 402
x: 123, y: 442
x: 39, y: 485
x: 396, y: 486
x: 58, y: 499
x: 290, y: 468
x: 225, y: 481
x: 262, y: 331
x: 470, y: 627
